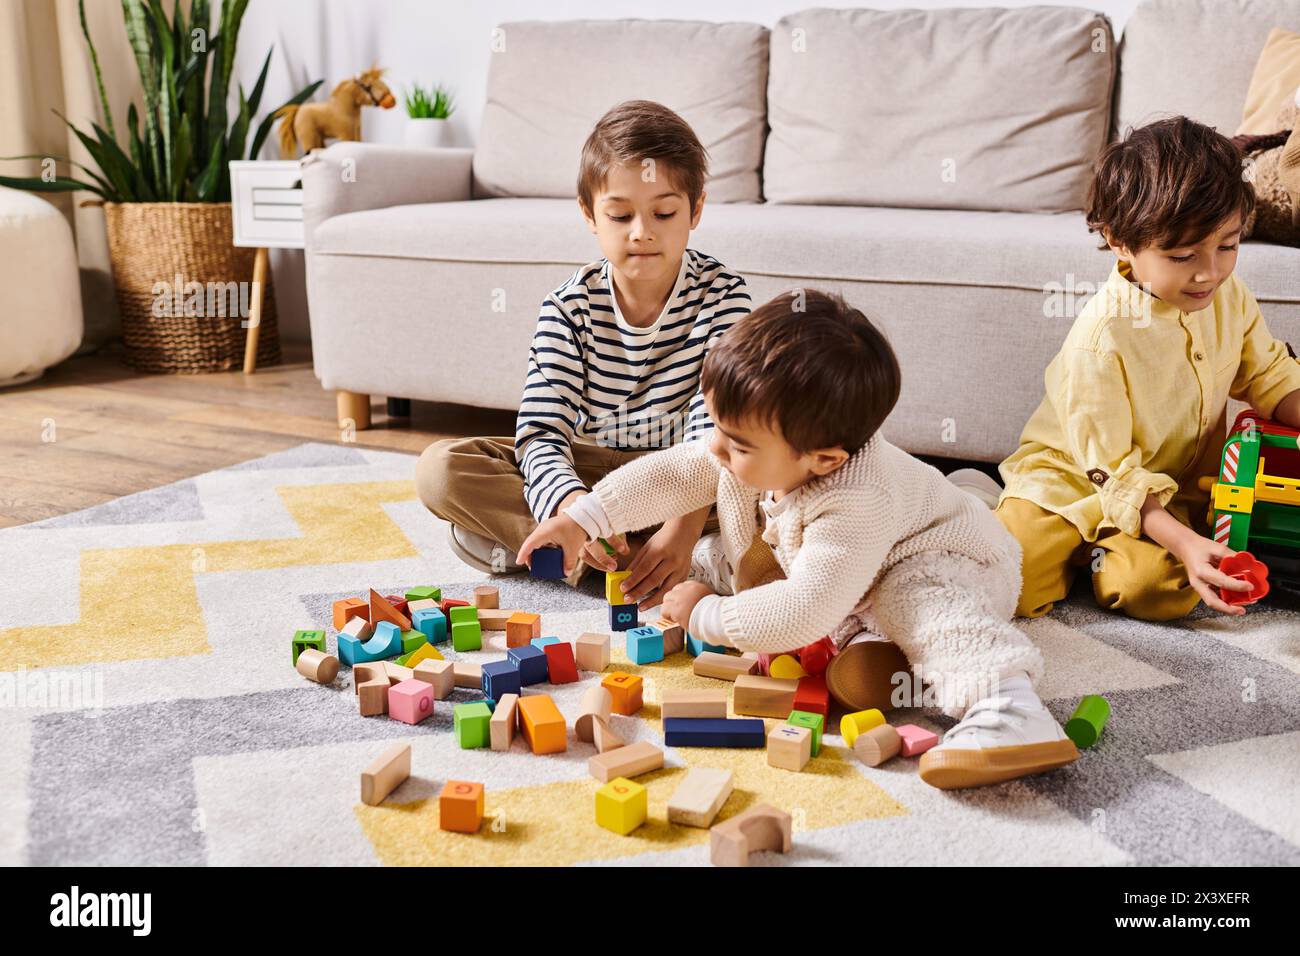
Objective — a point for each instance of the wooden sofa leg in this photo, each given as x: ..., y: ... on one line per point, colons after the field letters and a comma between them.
x: 354, y: 407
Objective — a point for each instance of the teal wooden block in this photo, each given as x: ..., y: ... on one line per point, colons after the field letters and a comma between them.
x: 458, y: 614
x: 472, y: 724
x: 305, y: 639
x: 432, y: 623
x: 386, y: 643
x: 424, y: 594
x: 543, y: 641
x: 411, y: 640
x: 695, y: 647
x: 814, y: 722
x: 645, y: 645
x: 466, y: 635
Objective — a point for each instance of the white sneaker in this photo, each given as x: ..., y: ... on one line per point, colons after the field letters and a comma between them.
x: 998, y: 739
x: 482, y: 554
x: 977, y: 483
x: 709, y: 564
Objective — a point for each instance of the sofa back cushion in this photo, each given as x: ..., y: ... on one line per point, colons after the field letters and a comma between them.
x: 1195, y: 57
x: 992, y: 109
x: 548, y: 83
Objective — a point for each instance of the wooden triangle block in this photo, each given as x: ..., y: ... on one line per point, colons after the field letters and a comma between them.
x: 606, y: 739
x: 382, y: 610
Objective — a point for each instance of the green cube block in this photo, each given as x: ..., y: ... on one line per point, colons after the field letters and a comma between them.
x: 458, y: 614
x: 814, y: 722
x: 472, y: 723
x: 305, y: 639
x: 467, y: 636
x: 411, y: 640
x: 424, y: 594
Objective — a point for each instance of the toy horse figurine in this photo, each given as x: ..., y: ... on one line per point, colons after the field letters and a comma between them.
x: 340, y: 118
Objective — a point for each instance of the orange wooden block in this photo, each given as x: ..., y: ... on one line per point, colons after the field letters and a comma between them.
x: 382, y: 610
x: 349, y: 608
x: 460, y: 806
x: 522, y: 627
x: 625, y: 689
x: 542, y: 724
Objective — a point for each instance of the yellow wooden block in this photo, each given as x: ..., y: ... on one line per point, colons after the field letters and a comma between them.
x: 786, y: 667
x: 425, y: 652
x: 613, y: 591
x: 622, y: 805
x: 859, y: 723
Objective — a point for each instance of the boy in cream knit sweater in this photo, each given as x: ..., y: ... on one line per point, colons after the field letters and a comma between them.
x: 826, y: 528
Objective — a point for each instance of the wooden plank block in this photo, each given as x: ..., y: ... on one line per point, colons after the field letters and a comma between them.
x: 467, y: 674
x: 759, y: 828
x: 542, y: 724
x: 711, y: 732
x: 722, y: 666
x: 630, y: 761
x: 680, y: 702
x: 501, y: 727
x: 494, y: 619
x: 758, y: 696
x: 699, y: 797
x: 385, y: 774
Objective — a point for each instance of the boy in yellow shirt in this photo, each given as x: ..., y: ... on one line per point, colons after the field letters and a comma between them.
x: 1107, y: 469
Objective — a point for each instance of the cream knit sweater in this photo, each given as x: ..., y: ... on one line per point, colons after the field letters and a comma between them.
x: 838, y: 538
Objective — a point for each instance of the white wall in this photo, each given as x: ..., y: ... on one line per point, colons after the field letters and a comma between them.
x: 440, y: 41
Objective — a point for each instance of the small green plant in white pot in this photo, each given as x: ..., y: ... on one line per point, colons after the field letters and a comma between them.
x: 428, y: 111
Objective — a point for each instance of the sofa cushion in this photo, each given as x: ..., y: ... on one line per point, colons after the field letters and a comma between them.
x: 1195, y: 58
x: 548, y: 83
x: 948, y: 109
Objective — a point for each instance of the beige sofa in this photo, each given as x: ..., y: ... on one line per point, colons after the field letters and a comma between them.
x: 930, y: 165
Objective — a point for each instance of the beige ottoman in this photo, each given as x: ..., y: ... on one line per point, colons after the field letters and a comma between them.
x: 40, y: 287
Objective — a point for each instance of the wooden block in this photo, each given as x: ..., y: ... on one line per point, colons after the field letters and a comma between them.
x: 542, y: 724
x: 399, y: 603
x: 313, y: 665
x: 626, y: 690
x: 522, y: 627
x: 462, y: 612
x: 789, y: 747
x: 622, y: 805
x: 699, y: 797
x: 878, y: 744
x: 446, y: 604
x: 501, y: 727
x: 814, y: 722
x: 722, y: 666
x: 491, y: 619
x: 376, y: 670
x: 758, y: 696
x: 358, y: 627
x: 606, y: 737
x: 424, y: 593
x: 349, y: 608
x: 560, y: 665
x: 622, y: 617
x: 386, y: 642
x: 471, y: 724
x: 674, y: 636
x: 373, y: 697
x: 423, y: 604
x: 466, y: 636
x: 916, y: 740
x: 547, y: 562
x: 645, y: 645
x: 412, y: 641
x: 460, y: 806
x: 467, y: 674
x: 813, y: 697
x: 305, y: 639
x: 500, y: 678
x: 859, y: 722
x: 385, y: 774
x: 614, y: 586
x: 593, y: 651
x: 486, y: 596
x: 596, y: 704
x: 630, y: 761
x: 786, y: 667
x: 425, y: 652
x: 410, y: 701
x: 531, y: 661
x: 438, y: 673
x: 678, y: 702
x: 711, y: 732
x: 396, y: 672
x: 759, y: 828
x: 381, y: 609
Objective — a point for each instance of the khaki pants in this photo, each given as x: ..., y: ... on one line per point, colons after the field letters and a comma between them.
x: 1133, y: 575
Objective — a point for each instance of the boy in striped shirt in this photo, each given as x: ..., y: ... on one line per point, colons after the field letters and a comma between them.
x: 614, y: 369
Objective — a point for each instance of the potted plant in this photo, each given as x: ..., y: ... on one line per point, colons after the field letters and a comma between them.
x: 428, y: 111
x: 166, y: 194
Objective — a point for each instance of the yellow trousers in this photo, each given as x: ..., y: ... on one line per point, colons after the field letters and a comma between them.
x: 1133, y: 575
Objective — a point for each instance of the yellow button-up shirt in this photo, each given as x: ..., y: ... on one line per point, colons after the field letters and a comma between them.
x: 1135, y: 403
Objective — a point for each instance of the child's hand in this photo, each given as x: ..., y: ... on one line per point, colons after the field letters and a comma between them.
x: 561, y: 531
x: 594, y: 553
x: 662, y: 564
x: 1201, y: 557
x: 681, y: 600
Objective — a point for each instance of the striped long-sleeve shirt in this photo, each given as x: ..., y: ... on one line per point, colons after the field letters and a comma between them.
x: 595, y: 379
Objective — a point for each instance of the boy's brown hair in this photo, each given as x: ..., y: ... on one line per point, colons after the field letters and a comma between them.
x: 637, y: 130
x: 809, y: 364
x: 1167, y: 184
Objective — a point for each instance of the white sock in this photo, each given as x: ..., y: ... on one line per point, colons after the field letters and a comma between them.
x: 1020, y: 690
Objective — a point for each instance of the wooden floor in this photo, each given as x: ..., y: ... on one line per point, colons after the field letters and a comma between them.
x: 91, y: 429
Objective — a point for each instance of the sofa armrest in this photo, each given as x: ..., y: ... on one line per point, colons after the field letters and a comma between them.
x: 348, y: 177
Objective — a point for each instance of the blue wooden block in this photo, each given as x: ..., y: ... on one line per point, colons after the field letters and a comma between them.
x: 386, y: 642
x: 531, y: 662
x: 645, y: 645
x: 714, y: 732
x: 622, y: 617
x: 500, y: 677
x: 548, y: 562
x: 695, y: 647
x: 543, y: 641
x: 432, y: 623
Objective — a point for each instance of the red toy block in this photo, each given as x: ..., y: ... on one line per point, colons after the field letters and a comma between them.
x: 816, y: 656
x: 448, y: 603
x: 812, y: 697
x: 916, y: 740
x: 1244, y: 566
x: 561, y: 666
x: 398, y: 602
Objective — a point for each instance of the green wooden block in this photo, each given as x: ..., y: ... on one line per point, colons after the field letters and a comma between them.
x: 472, y: 723
x: 411, y: 640
x: 401, y: 661
x: 814, y: 722
x: 423, y: 594
x: 467, y: 635
x: 458, y: 614
x: 305, y: 639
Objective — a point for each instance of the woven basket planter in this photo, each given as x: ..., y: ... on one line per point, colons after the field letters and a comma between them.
x: 159, y: 251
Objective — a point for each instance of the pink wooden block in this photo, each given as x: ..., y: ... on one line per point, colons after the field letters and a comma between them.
x: 560, y: 664
x: 765, y: 662
x: 916, y: 740
x: 410, y: 701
